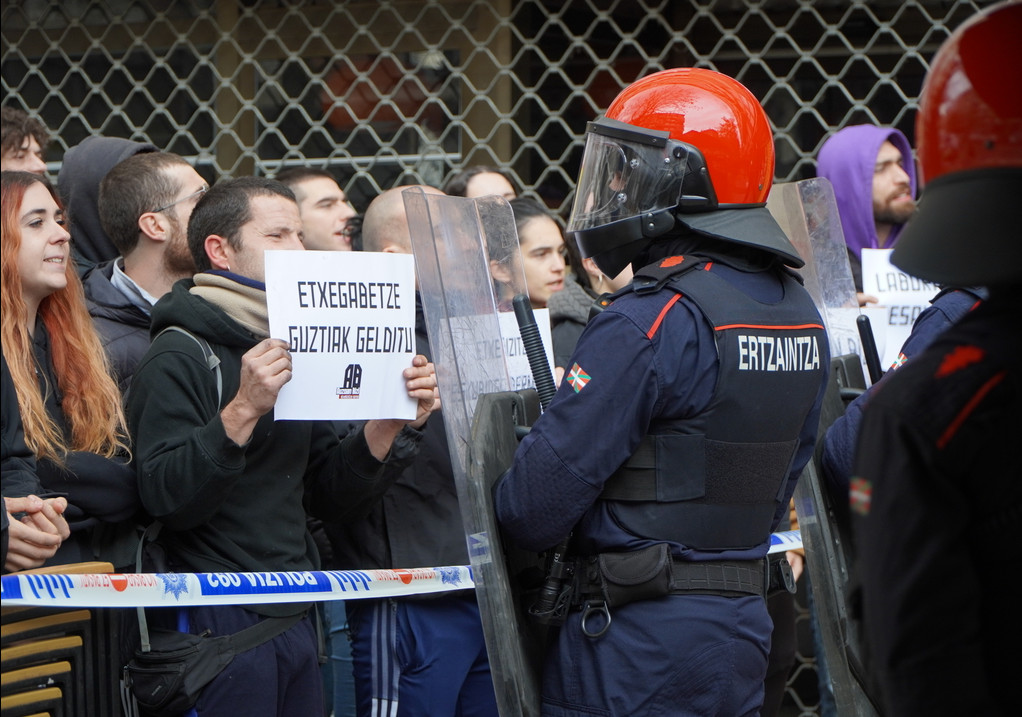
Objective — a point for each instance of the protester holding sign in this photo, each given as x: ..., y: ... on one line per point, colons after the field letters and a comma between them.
x: 874, y: 182
x: 230, y: 484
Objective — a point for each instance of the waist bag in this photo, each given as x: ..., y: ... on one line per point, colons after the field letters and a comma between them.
x: 168, y: 672
x: 167, y: 679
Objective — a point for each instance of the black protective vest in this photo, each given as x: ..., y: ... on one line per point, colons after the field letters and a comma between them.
x: 713, y: 481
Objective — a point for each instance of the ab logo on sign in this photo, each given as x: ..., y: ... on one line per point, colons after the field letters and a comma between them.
x: 352, y: 381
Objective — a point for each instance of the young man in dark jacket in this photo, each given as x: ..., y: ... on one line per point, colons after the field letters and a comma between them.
x: 144, y: 205
x: 230, y: 484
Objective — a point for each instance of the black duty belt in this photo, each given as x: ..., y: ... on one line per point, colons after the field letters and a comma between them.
x: 610, y: 580
x: 729, y: 578
x: 620, y: 578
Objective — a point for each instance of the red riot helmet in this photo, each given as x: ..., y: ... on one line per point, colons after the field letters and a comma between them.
x: 969, y: 141
x: 683, y: 145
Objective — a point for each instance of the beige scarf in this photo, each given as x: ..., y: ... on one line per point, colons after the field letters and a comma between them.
x: 244, y: 304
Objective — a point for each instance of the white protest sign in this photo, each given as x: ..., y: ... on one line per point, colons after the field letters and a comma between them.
x: 349, y: 318
x: 518, y: 368
x: 902, y: 298
x: 506, y: 351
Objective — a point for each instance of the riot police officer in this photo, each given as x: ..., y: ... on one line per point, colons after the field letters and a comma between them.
x: 937, y: 501
x: 688, y: 410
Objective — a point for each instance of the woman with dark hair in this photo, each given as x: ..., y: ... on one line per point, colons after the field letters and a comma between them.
x: 480, y: 181
x: 68, y: 405
x: 540, y: 264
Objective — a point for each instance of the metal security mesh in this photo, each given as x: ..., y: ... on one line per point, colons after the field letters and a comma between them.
x: 392, y: 91
x: 399, y: 91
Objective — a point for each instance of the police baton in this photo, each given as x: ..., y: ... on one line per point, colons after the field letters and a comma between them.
x: 551, y: 604
x: 869, y: 348
x: 533, y: 343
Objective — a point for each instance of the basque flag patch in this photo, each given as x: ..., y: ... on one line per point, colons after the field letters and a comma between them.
x: 578, y: 378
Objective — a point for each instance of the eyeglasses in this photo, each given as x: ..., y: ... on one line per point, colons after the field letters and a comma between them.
x: 197, y: 193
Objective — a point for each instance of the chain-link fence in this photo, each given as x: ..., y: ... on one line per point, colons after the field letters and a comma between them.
x: 393, y: 91
x: 399, y: 91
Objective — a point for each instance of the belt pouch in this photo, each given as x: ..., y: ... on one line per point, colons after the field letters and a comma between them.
x: 638, y: 575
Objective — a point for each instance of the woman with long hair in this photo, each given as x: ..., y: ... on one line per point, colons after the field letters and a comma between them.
x: 67, y: 402
x: 540, y: 261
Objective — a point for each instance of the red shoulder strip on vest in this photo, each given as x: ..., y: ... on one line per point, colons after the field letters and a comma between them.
x: 660, y: 318
x: 969, y: 407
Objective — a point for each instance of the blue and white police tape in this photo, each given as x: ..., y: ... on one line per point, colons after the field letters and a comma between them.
x: 190, y: 589
x: 785, y: 541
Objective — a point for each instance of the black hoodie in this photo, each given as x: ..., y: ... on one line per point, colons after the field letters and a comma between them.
x: 81, y: 172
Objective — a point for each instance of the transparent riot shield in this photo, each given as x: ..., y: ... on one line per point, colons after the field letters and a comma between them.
x: 807, y: 211
x: 465, y: 258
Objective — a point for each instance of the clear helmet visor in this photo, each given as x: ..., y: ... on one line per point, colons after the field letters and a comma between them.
x: 624, y: 176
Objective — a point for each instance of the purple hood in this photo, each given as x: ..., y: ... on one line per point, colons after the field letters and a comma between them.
x: 848, y: 159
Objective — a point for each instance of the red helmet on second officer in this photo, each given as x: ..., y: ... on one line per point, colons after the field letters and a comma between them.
x: 685, y: 145
x: 969, y: 139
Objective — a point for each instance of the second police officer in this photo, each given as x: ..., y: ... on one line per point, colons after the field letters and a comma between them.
x: 671, y: 449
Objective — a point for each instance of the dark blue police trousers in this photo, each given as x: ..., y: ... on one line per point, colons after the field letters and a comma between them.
x: 680, y: 655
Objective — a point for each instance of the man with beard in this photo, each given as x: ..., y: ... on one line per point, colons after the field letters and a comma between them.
x: 874, y: 181
x: 144, y: 205
x: 81, y: 171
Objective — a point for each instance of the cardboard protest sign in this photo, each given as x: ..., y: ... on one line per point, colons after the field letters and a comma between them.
x: 349, y: 318
x: 902, y: 298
